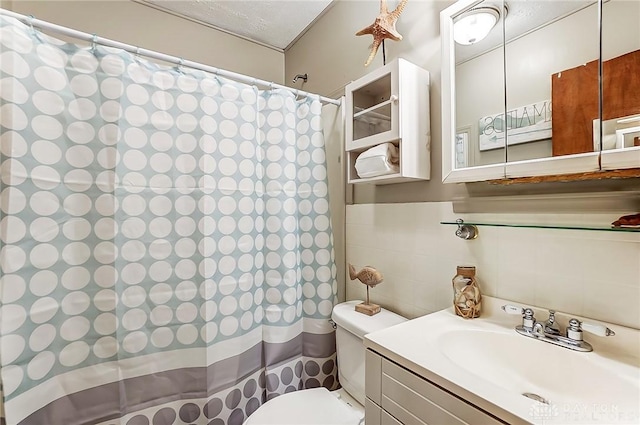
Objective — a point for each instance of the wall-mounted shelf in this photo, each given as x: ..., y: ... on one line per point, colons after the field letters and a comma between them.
x: 550, y: 226
x: 389, y: 105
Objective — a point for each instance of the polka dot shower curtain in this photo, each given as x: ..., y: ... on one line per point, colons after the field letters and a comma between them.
x: 166, y: 251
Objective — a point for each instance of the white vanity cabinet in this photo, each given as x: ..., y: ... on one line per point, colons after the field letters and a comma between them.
x: 396, y: 396
x: 390, y: 105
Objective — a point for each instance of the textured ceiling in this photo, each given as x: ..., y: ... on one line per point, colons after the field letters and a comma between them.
x: 275, y: 23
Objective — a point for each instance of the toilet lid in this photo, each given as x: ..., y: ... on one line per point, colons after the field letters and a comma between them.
x: 307, y: 407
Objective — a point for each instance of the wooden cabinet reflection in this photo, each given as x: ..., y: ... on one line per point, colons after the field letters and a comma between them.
x: 574, y: 94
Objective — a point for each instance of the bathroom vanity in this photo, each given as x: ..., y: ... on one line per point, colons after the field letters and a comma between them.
x: 443, y: 369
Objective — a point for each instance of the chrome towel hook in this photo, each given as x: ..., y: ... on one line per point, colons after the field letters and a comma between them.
x: 304, y: 77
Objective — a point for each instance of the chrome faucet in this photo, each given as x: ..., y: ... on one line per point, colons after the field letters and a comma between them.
x: 550, y: 326
x: 549, y: 331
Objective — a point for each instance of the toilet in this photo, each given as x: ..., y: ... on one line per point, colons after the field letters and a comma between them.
x: 319, y: 406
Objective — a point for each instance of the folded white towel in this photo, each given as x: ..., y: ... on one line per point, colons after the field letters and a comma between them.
x: 378, y: 161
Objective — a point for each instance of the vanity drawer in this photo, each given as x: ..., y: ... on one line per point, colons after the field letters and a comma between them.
x: 414, y: 400
x: 387, y: 419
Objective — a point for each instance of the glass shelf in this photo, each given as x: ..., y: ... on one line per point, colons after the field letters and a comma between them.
x: 550, y: 226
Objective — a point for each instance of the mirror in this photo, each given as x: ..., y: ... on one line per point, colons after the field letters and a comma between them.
x: 525, y: 100
x: 545, y: 78
x: 480, y: 89
x: 620, y: 84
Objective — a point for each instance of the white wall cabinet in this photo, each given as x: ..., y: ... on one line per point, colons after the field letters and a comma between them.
x: 390, y: 105
x: 396, y: 396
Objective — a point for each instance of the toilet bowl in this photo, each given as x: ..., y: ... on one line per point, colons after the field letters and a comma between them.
x: 345, y: 406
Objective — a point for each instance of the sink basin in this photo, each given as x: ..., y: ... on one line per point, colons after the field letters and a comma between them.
x: 524, y: 365
x: 516, y: 378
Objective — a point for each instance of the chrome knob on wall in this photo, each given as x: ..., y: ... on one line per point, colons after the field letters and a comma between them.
x: 466, y: 231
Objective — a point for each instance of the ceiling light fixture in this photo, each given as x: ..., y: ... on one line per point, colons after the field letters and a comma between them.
x: 474, y: 25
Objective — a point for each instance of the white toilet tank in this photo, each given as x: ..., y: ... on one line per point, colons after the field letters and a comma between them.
x: 351, y: 328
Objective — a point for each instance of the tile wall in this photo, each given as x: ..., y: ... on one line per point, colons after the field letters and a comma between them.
x: 592, y: 274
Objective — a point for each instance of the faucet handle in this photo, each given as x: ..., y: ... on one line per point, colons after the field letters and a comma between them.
x: 599, y: 330
x: 512, y: 309
x: 527, y: 314
x: 574, y: 331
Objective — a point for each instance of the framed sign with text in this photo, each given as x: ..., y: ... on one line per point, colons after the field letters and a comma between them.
x: 525, y: 124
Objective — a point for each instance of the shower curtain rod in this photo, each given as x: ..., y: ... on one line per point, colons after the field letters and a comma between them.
x: 93, y: 38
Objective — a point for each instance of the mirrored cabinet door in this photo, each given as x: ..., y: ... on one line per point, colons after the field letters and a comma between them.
x: 473, y: 90
x: 620, y: 84
x: 479, y: 81
x: 552, y: 88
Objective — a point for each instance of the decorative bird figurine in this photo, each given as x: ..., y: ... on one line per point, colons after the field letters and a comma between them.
x: 370, y: 277
x: 383, y: 27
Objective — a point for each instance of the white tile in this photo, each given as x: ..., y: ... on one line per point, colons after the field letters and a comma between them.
x: 360, y: 214
x: 402, y: 265
x: 398, y: 289
x: 418, y: 312
x: 442, y: 296
x: 517, y: 251
x: 361, y: 256
x: 566, y: 295
x: 519, y: 293
x: 426, y: 214
x: 426, y: 241
x: 482, y: 253
x: 613, y: 303
x: 563, y: 257
x: 359, y: 234
x: 387, y: 215
x: 404, y: 241
x: 617, y: 262
x: 401, y: 309
x: 617, y: 236
x: 426, y: 295
x: 423, y: 267
x: 445, y: 210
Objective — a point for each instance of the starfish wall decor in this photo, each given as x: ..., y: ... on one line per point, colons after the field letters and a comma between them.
x: 383, y: 27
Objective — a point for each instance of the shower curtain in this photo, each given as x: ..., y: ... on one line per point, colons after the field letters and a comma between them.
x: 166, y: 252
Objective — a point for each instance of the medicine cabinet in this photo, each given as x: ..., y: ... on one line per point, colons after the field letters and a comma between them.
x: 551, y: 93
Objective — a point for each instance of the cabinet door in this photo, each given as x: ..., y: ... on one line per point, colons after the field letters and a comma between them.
x: 372, y: 413
x: 373, y: 376
x: 372, y: 108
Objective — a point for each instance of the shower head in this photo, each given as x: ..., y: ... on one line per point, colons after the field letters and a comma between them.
x: 302, y: 77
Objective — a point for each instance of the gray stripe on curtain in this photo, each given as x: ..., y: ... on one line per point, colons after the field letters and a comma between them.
x: 102, y: 403
x: 310, y: 345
